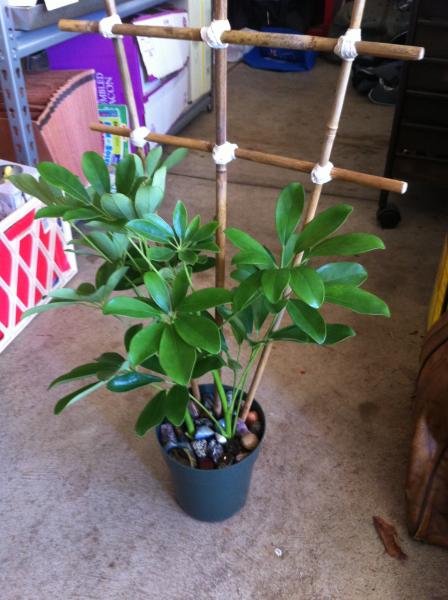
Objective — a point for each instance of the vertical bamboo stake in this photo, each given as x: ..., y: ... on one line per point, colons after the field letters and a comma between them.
x: 220, y: 93
x: 327, y: 147
x: 122, y: 61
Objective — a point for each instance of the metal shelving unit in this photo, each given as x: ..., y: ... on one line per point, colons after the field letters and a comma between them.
x: 15, y: 45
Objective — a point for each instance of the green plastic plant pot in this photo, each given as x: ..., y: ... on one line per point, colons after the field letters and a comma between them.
x: 213, y: 495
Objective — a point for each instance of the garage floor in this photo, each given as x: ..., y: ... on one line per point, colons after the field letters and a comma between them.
x: 86, y: 507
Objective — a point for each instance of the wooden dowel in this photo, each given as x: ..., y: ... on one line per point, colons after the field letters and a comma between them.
x: 249, y: 38
x: 220, y: 99
x: 125, y: 74
x: 304, y: 166
x: 327, y: 147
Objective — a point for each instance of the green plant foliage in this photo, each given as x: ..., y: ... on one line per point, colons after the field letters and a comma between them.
x: 176, y: 404
x: 199, y: 332
x: 96, y: 172
x: 131, y: 380
x: 155, y: 260
x: 346, y: 273
x: 308, y: 320
x: 323, y: 225
x: 355, y: 299
x: 348, y: 245
x: 307, y: 285
x: 288, y: 211
x: 274, y: 283
x: 145, y: 343
x: 176, y: 356
x: 152, y: 415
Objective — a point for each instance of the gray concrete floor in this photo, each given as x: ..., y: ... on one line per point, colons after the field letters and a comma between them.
x: 86, y: 507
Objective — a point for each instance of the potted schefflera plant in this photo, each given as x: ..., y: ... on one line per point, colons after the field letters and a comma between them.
x: 147, y: 271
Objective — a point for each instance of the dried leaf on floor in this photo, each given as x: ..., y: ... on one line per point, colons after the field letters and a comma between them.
x: 389, y: 536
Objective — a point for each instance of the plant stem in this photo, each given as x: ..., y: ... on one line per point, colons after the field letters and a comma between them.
x: 241, y: 386
x: 209, y: 415
x: 225, y: 408
x: 189, y: 423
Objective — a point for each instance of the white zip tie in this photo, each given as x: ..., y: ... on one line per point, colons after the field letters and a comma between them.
x: 224, y: 153
x: 322, y: 174
x: 211, y: 35
x: 138, y: 136
x: 346, y: 44
x: 105, y: 26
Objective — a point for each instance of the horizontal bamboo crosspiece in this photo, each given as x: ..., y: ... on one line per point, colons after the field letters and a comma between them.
x: 303, y: 166
x: 249, y: 38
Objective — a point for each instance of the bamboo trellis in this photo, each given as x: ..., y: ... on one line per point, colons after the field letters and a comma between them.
x: 322, y: 172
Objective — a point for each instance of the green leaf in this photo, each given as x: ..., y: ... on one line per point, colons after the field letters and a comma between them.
x: 180, y: 219
x: 205, y: 232
x: 103, y: 241
x: 80, y: 214
x: 148, y: 199
x: 51, y: 211
x: 130, y: 307
x: 152, y: 415
x: 174, y: 158
x: 118, y: 205
x: 115, y: 278
x: 289, y: 210
x: 108, y: 364
x: 153, y: 228
x: 337, y: 333
x: 152, y: 160
x: 348, y: 244
x: 75, y: 396
x: 96, y: 173
x: 130, y: 333
x: 158, y: 289
x: 145, y: 343
x: 153, y: 364
x: 324, y: 224
x: 159, y: 254
x: 159, y: 178
x: 199, y: 332
x: 274, y: 282
x: 289, y: 250
x: 307, y: 319
x: 207, y: 364
x: 238, y: 330
x: 356, y: 299
x: 28, y: 184
x: 260, y: 311
x: 243, y: 273
x: 127, y: 171
x: 253, y: 253
x: 204, y: 299
x: 308, y: 286
x: 130, y: 381
x: 188, y: 256
x: 176, y: 357
x: 180, y: 288
x: 80, y: 372
x: 176, y: 405
x: 291, y: 334
x: 46, y: 307
x: 246, y: 292
x: 61, y: 178
x: 347, y: 273
x: 193, y: 226
x: 250, y: 257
